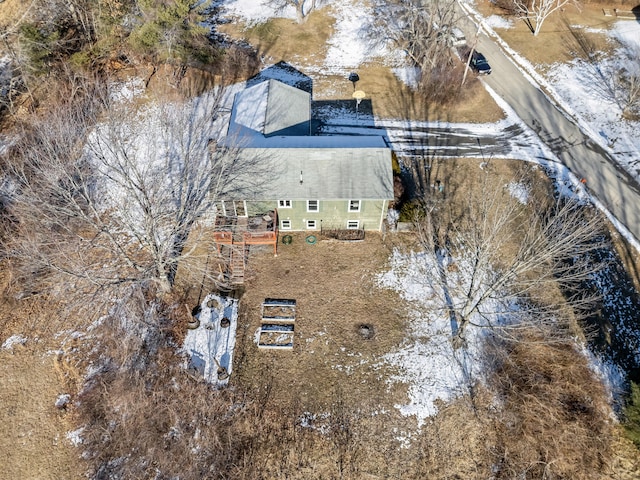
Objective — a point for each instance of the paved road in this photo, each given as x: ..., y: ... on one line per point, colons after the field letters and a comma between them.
x: 606, y: 180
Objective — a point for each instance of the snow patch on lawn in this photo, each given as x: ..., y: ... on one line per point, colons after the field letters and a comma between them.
x: 519, y: 191
x: 351, y: 44
x: 63, y: 400
x: 427, y: 362
x: 256, y: 11
x: 410, y: 76
x: 13, y: 340
x: 496, y: 21
x: 75, y: 437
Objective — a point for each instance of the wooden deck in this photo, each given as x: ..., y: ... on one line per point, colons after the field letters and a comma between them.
x: 236, y: 234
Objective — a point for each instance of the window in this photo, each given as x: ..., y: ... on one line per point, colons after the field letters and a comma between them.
x: 353, y: 224
x: 354, y: 205
x: 241, y: 208
x: 228, y: 207
x: 313, y: 206
x: 285, y: 224
x: 311, y: 224
x: 284, y: 203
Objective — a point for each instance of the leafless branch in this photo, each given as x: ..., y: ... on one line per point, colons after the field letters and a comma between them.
x: 498, y: 257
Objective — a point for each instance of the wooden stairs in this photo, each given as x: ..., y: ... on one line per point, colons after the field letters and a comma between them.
x: 237, y: 264
x: 233, y: 239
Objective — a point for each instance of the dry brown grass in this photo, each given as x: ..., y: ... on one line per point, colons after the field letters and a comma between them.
x: 32, y: 430
x: 334, y: 285
x: 553, y: 421
x: 554, y: 43
x: 283, y: 39
x: 10, y: 12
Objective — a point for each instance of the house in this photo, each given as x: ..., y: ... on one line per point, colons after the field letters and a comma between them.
x: 315, y: 182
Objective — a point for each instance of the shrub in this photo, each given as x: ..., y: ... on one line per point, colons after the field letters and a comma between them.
x: 632, y: 415
x: 554, y: 416
x: 411, y: 211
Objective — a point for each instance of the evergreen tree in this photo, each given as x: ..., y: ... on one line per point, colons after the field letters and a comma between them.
x: 172, y: 30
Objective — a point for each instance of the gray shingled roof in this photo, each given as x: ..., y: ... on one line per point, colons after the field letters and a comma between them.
x: 326, y: 174
x: 273, y: 108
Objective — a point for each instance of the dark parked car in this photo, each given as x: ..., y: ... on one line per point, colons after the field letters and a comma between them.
x: 479, y: 64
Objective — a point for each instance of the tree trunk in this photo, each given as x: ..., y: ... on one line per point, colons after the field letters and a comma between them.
x: 300, y: 12
x: 164, y: 284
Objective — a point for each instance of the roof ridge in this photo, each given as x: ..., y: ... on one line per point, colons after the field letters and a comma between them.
x: 267, y: 106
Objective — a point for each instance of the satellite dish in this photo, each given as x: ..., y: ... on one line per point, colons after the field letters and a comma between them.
x: 358, y: 95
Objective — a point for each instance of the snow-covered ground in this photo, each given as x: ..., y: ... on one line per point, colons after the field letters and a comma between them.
x: 351, y: 44
x: 16, y: 339
x: 210, y: 346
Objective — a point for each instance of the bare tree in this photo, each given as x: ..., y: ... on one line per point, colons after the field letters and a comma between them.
x: 120, y: 202
x: 422, y: 29
x: 499, y: 258
x: 302, y: 7
x: 535, y: 12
